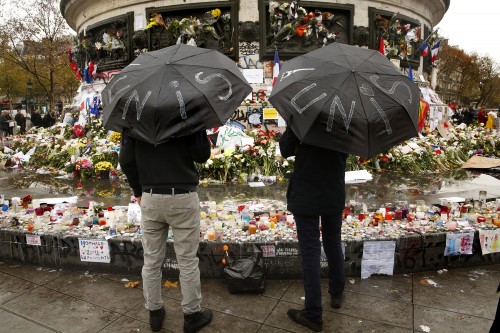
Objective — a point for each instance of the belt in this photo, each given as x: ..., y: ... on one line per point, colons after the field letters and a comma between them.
x: 168, y: 190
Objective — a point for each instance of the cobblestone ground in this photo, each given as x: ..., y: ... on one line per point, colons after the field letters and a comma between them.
x: 37, y: 299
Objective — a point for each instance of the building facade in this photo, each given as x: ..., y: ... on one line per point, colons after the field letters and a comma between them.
x: 112, y: 33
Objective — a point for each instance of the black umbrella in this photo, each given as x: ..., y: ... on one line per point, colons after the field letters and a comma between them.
x: 348, y: 99
x: 173, y: 92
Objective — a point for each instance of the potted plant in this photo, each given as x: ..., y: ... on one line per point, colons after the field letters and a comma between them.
x: 103, y: 169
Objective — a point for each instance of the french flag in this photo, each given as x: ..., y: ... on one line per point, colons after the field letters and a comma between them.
x: 424, y: 50
x: 276, y: 67
x: 434, y: 51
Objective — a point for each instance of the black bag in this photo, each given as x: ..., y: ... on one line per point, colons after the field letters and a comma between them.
x: 245, y: 275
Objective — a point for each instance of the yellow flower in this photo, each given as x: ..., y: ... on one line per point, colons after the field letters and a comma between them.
x: 115, y: 137
x: 152, y: 23
x: 103, y: 166
x: 216, y: 13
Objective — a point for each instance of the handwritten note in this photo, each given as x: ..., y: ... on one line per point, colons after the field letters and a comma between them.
x: 33, y: 240
x: 378, y: 258
x: 253, y: 75
x: 490, y: 241
x: 94, y: 250
x: 268, y: 251
x: 458, y: 244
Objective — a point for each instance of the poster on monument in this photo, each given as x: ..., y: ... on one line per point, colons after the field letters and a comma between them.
x: 94, y: 250
x: 378, y: 258
x: 458, y: 244
x: 489, y: 240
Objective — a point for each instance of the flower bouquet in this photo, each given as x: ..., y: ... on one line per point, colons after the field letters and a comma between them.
x: 82, y: 168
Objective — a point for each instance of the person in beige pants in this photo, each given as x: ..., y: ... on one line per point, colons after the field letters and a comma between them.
x: 164, y: 179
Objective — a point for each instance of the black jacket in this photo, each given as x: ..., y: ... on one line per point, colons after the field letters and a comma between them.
x: 36, y: 119
x: 317, y: 186
x: 170, y: 164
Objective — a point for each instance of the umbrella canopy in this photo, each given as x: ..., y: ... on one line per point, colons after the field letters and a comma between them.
x: 173, y: 92
x: 348, y: 99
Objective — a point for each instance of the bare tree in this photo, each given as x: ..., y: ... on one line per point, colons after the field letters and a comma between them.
x: 36, y: 38
x: 489, y: 75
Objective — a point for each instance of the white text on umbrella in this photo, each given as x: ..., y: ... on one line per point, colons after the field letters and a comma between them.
x: 347, y: 120
x: 139, y: 106
x: 110, y: 91
x: 300, y: 93
x: 210, y: 77
x: 368, y: 91
x: 182, y: 105
x: 288, y: 73
x: 374, y: 79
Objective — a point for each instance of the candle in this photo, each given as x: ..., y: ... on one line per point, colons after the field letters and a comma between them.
x: 252, y: 229
x: 211, y: 235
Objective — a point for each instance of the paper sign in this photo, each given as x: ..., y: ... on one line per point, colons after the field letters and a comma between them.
x: 406, y: 149
x: 54, y: 201
x: 134, y: 213
x: 94, y: 250
x: 490, y: 241
x: 270, y: 113
x: 378, y: 258
x: 33, y: 239
x: 256, y: 184
x: 254, y: 75
x: 281, y: 121
x: 458, y: 244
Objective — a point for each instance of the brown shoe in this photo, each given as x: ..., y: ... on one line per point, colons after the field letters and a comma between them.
x: 300, y: 317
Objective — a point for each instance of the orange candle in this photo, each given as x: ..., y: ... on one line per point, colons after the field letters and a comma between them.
x: 252, y: 229
x: 211, y: 235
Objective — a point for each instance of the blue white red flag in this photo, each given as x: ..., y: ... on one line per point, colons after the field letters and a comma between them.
x: 276, y: 66
x: 424, y: 50
x: 434, y: 51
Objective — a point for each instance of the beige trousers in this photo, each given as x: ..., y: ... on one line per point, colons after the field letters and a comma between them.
x: 182, y: 213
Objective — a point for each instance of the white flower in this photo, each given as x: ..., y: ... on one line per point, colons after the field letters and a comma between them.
x: 285, y: 163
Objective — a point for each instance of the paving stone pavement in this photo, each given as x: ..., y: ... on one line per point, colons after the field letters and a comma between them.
x: 38, y: 299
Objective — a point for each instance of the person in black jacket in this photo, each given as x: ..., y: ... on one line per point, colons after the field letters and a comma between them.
x: 164, y: 179
x: 36, y: 118
x: 21, y: 121
x: 316, y: 194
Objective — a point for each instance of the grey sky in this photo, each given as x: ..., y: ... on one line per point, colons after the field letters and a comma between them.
x: 474, y: 26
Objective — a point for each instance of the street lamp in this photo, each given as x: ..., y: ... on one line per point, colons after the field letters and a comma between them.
x: 30, y: 87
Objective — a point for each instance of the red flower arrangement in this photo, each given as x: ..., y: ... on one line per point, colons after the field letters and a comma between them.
x: 26, y: 201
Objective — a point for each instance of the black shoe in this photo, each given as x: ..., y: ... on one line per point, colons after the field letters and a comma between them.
x: 156, y: 319
x: 337, y: 302
x: 300, y: 317
x: 196, y: 321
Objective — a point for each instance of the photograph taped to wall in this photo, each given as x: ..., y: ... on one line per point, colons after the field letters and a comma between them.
x: 255, y: 115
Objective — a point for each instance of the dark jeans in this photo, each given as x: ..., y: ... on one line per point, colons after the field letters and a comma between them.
x: 310, y: 248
